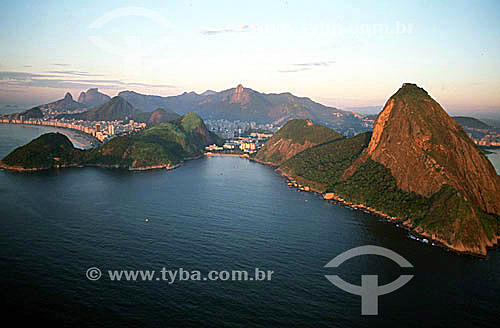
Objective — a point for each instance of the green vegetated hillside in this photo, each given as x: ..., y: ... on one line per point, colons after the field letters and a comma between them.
x: 169, y: 142
x: 156, y: 117
x: 294, y: 137
x: 165, y: 144
x: 326, y: 163
x: 48, y: 150
x: 115, y: 109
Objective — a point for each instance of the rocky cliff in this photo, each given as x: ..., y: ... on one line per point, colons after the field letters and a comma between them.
x: 294, y: 137
x: 92, y: 98
x: 426, y: 149
x: 425, y: 159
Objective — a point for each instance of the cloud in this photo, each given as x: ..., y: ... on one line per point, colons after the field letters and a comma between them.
x: 293, y: 70
x: 24, y: 79
x: 243, y: 28
x: 11, y: 90
x: 316, y: 64
x: 76, y: 73
x: 60, y: 64
x: 477, y: 84
x: 300, y: 67
x: 7, y: 75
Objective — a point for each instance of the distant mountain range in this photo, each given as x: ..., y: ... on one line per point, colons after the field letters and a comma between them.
x: 118, y: 109
x: 245, y: 104
x: 115, y: 109
x: 477, y: 129
x: 240, y: 103
x: 233, y: 104
x: 89, y: 99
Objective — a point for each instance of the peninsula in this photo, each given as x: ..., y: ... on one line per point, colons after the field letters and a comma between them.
x: 418, y: 167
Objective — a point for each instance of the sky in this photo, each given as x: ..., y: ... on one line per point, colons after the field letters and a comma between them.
x: 339, y: 53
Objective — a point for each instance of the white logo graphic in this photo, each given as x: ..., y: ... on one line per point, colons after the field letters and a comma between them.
x: 369, y: 289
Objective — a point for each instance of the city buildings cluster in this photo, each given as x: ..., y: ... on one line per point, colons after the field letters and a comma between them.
x: 101, y: 130
x: 231, y: 129
x: 249, y: 144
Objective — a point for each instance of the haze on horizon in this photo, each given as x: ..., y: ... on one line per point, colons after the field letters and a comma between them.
x: 341, y: 54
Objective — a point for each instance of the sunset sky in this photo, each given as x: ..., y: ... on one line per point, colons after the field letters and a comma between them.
x: 347, y: 54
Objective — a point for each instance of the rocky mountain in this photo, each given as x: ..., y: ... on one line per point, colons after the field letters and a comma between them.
x: 162, y: 146
x: 418, y: 167
x: 32, y: 113
x: 115, y: 109
x: 429, y: 154
x: 145, y: 103
x: 92, y: 98
x: 63, y: 105
x: 435, y: 148
x: 245, y: 104
x: 476, y: 128
x: 294, y: 137
x: 159, y: 116
x: 471, y: 122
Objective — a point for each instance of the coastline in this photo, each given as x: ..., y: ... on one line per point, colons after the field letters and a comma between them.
x: 418, y: 232
x: 79, y: 139
x: 130, y: 168
x: 209, y: 154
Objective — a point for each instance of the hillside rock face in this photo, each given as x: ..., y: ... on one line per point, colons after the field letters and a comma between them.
x: 240, y: 96
x: 160, y: 116
x: 294, y: 137
x: 426, y: 149
x: 115, y: 109
x: 92, y: 98
x: 65, y: 104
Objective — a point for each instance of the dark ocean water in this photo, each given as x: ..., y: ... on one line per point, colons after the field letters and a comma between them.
x: 215, y: 214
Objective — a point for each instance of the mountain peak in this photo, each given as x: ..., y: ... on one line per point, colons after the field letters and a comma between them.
x: 117, y: 99
x: 411, y: 89
x: 426, y: 149
x: 208, y: 93
x: 92, y: 97
x: 240, y: 96
x: 68, y: 96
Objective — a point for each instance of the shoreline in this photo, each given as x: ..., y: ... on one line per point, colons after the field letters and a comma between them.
x: 408, y: 225
x: 88, y: 142
x: 167, y: 167
x: 209, y: 154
